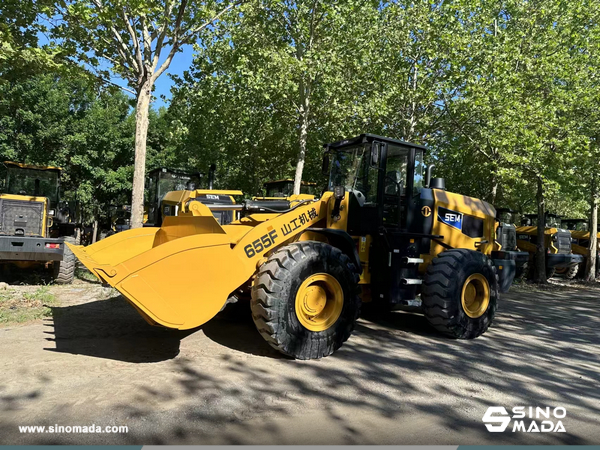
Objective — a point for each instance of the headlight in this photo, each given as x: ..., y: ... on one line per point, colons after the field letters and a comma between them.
x: 51, y: 212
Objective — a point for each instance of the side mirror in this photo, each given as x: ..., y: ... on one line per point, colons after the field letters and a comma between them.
x: 375, y: 152
x: 339, y: 192
x: 325, y: 166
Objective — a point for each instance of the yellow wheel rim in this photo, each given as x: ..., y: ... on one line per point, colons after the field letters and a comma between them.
x: 319, y: 302
x: 475, y: 297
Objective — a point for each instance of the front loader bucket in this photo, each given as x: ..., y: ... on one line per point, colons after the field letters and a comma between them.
x: 178, y: 276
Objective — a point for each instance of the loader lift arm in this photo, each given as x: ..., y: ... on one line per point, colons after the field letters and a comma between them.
x: 148, y: 265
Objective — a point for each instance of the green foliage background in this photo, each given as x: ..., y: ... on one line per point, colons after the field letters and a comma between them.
x: 504, y: 93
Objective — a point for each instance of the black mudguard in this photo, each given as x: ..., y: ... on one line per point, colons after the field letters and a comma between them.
x: 506, y: 263
x: 563, y: 260
x: 343, y: 241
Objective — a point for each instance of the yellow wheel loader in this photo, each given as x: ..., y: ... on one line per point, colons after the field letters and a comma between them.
x: 169, y: 191
x: 557, y: 241
x: 383, y: 232
x: 34, y: 223
x: 580, y: 236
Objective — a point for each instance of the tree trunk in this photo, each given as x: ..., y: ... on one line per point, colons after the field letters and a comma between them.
x: 139, y: 172
x: 494, y: 188
x: 540, y: 254
x: 303, y: 135
x: 591, y: 262
x: 94, y: 232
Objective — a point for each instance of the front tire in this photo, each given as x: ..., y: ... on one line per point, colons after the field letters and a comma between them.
x: 572, y: 272
x: 460, y: 293
x: 305, y: 299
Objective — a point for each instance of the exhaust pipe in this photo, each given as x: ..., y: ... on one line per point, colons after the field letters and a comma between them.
x: 211, y: 176
x: 428, y: 175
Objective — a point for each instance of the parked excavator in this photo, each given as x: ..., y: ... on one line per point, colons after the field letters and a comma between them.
x: 383, y: 232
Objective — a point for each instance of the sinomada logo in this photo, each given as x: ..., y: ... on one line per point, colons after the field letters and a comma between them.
x: 527, y: 419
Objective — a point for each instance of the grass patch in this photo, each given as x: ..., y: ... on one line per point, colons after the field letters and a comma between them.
x: 82, y: 273
x: 21, y: 307
x: 557, y: 284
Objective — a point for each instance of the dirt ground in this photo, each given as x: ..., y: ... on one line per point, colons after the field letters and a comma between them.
x: 396, y: 381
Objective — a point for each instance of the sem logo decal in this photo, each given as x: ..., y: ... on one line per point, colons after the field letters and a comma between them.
x: 426, y: 211
x: 451, y: 218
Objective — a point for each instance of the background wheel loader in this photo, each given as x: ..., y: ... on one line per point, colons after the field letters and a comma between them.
x: 34, y: 223
x: 169, y: 191
x: 580, y: 243
x: 557, y: 241
x: 382, y: 232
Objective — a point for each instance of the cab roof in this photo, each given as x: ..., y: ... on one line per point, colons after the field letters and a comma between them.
x: 367, y: 137
x: 289, y: 180
x: 176, y: 171
x: 30, y: 166
x: 533, y: 216
x: 501, y: 210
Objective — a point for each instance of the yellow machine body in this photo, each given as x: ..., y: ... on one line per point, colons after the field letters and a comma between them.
x: 181, y: 274
x: 530, y: 247
x: 455, y: 238
x: 46, y: 219
x: 581, y: 241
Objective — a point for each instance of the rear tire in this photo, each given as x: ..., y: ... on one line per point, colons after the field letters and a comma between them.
x: 449, y: 276
x: 275, y: 299
x: 64, y: 271
x: 550, y: 272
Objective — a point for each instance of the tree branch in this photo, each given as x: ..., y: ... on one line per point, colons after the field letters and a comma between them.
x: 124, y: 50
x: 196, y: 30
x: 177, y: 42
x: 134, y: 39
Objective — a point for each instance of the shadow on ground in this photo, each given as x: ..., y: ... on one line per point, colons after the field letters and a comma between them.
x: 541, y: 347
x: 110, y: 329
x: 39, y: 275
x: 542, y: 350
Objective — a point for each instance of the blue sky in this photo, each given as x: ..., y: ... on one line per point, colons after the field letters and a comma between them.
x: 181, y: 62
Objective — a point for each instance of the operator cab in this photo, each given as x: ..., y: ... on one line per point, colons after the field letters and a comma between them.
x: 383, y: 176
x: 158, y: 183
x: 23, y: 179
x: 384, y: 183
x: 551, y: 220
x: 285, y: 188
x: 575, y: 224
